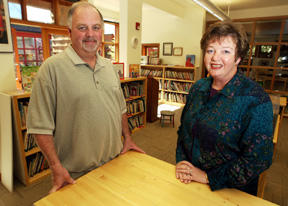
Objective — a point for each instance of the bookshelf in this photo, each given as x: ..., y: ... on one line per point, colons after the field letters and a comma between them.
x: 174, y: 81
x: 29, y: 163
x: 135, y: 93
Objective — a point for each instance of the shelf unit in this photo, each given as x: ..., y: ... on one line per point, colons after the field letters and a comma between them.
x: 135, y: 93
x: 174, y: 81
x: 29, y: 163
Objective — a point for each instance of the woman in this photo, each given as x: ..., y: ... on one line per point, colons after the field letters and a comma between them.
x: 225, y: 136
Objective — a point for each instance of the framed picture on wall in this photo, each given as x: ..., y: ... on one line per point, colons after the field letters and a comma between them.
x: 119, y: 68
x: 167, y: 48
x: 5, y: 31
x: 177, y: 51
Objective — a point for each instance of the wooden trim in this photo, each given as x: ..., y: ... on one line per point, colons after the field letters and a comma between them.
x: 37, y: 24
x: 23, y: 9
x: 252, y: 19
x: 65, y: 3
x: 56, y: 11
x: 145, y: 46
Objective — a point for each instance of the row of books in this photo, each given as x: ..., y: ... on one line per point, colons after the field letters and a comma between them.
x: 172, y: 97
x: 152, y: 73
x: 179, y: 75
x: 135, y: 122
x: 29, y: 141
x: 132, y: 89
x: 135, y: 106
x: 23, y: 109
x: 177, y: 86
x: 36, y: 163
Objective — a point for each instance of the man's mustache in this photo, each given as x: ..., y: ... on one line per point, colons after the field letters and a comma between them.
x: 89, y: 39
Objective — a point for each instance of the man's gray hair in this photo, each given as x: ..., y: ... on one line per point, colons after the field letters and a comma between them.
x: 78, y: 5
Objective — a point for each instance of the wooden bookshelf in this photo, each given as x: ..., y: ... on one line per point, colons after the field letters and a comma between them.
x: 135, y: 93
x: 27, y: 153
x: 29, y: 163
x: 174, y: 81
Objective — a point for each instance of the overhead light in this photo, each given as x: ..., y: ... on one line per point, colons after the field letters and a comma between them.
x: 212, y: 9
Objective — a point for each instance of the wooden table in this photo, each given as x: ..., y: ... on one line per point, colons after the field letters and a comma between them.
x: 139, y: 179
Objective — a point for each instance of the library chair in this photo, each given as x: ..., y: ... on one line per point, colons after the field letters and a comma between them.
x: 166, y: 116
x: 262, y: 177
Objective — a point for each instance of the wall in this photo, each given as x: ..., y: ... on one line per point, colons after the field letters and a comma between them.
x: 186, y: 31
x: 7, y: 83
x: 130, y: 38
x: 7, y: 74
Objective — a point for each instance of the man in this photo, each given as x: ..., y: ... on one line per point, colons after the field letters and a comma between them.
x: 77, y: 110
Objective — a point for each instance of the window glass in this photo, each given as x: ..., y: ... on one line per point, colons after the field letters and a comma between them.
x: 29, y: 42
x: 109, y: 52
x: 15, y: 10
x: 30, y: 55
x: 282, y: 60
x: 109, y: 32
x: 262, y: 76
x: 19, y: 42
x: 39, y: 15
x: 285, y: 33
x: 263, y: 55
x: 21, y: 56
x: 267, y: 31
x: 281, y: 78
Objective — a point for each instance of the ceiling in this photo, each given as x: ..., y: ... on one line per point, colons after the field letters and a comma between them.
x: 222, y: 4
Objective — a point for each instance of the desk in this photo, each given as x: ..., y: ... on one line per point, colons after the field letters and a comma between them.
x: 139, y: 179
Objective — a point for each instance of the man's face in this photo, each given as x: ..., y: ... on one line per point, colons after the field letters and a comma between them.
x: 86, y: 31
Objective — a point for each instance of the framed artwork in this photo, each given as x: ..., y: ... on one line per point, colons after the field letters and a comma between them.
x: 119, y: 68
x: 167, y: 48
x: 177, y: 51
x: 190, y: 60
x: 5, y: 31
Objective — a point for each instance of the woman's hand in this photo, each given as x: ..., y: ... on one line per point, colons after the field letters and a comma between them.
x: 186, y: 173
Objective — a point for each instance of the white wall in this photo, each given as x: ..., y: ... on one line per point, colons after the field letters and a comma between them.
x: 185, y: 32
x: 7, y: 73
x: 131, y: 12
x: 7, y: 83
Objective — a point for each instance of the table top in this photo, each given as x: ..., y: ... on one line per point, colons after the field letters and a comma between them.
x: 139, y: 179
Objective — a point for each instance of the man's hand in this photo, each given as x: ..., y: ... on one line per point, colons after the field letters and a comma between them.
x: 130, y: 145
x: 60, y: 177
x: 186, y: 173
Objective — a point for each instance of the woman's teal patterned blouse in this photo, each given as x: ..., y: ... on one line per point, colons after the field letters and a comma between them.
x: 228, y: 135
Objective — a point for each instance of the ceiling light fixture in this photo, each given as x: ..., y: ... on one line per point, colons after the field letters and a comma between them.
x: 212, y: 9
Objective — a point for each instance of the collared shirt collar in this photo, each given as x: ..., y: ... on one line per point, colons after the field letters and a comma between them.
x: 71, y: 53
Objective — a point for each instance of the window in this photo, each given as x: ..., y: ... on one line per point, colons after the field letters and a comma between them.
x: 30, y: 49
x: 15, y: 10
x: 110, y: 44
x: 39, y: 15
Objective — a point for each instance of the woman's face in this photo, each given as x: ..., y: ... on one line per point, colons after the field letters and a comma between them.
x: 220, y: 59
